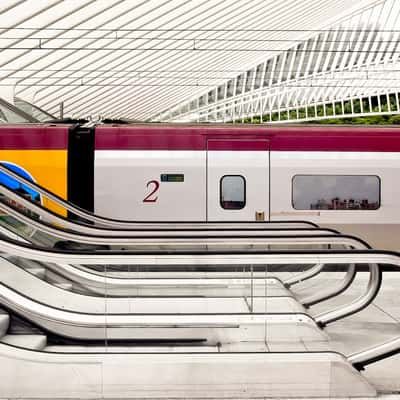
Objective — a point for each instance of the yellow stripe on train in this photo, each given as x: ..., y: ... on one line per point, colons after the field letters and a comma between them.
x: 47, y: 167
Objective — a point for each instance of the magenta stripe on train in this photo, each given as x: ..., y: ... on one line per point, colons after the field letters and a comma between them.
x: 236, y: 138
x: 25, y: 137
x: 227, y: 137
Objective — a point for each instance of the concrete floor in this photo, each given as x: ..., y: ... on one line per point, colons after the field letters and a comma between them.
x: 376, y: 324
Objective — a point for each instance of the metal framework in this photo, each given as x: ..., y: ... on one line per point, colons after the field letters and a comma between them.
x: 195, y: 59
x: 349, y: 70
x: 11, y: 114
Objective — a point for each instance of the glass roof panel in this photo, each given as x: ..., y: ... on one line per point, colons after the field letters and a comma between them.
x: 134, y: 59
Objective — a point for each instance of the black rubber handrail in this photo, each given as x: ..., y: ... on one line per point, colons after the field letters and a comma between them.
x: 93, y: 233
x: 88, y: 215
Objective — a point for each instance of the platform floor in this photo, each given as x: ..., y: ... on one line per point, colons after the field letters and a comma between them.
x: 376, y: 324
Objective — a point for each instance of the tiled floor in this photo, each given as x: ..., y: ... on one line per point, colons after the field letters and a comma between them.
x: 374, y: 325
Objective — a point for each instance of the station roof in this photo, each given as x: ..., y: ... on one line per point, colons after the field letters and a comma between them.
x: 134, y: 59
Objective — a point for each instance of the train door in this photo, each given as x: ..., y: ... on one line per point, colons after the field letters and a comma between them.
x: 237, y: 180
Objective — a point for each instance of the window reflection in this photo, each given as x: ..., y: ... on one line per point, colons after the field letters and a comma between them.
x: 336, y: 192
x: 233, y: 192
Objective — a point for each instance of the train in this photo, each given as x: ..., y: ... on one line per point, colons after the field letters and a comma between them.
x: 343, y: 177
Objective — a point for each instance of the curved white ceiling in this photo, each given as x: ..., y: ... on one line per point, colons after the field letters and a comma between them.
x: 134, y: 59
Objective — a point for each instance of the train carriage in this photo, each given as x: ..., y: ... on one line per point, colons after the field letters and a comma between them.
x: 343, y: 176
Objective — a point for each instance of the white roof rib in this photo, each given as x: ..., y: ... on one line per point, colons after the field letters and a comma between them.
x: 358, y: 44
x: 148, y: 59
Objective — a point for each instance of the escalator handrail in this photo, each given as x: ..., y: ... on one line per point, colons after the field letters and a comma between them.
x: 95, y: 282
x: 114, y: 223
x: 32, y: 310
x: 127, y: 257
x: 60, y: 266
x: 161, y: 258
x: 94, y: 235
x: 372, y: 257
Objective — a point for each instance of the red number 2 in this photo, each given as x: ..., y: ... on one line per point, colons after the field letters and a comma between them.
x: 148, y: 198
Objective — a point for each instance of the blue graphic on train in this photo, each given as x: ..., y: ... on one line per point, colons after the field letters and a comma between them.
x: 13, y: 184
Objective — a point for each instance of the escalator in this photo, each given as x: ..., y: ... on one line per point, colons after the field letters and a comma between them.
x: 66, y: 271
x: 88, y: 219
x: 183, y: 315
x: 63, y: 234
x: 82, y: 315
x: 65, y: 341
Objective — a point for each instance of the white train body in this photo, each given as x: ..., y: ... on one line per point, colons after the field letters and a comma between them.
x: 341, y: 177
x: 128, y: 184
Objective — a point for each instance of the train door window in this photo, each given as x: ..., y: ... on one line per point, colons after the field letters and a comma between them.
x: 336, y: 192
x: 233, y: 192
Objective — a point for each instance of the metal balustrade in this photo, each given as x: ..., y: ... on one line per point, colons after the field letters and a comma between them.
x: 69, y: 230
x: 161, y: 260
x: 118, y: 224
x: 180, y: 254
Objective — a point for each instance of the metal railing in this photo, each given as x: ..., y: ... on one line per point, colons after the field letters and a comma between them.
x: 96, y: 282
x: 67, y: 230
x: 128, y: 225
x: 162, y: 259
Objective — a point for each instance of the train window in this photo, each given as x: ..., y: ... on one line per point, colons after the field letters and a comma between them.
x: 336, y: 192
x: 233, y: 192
